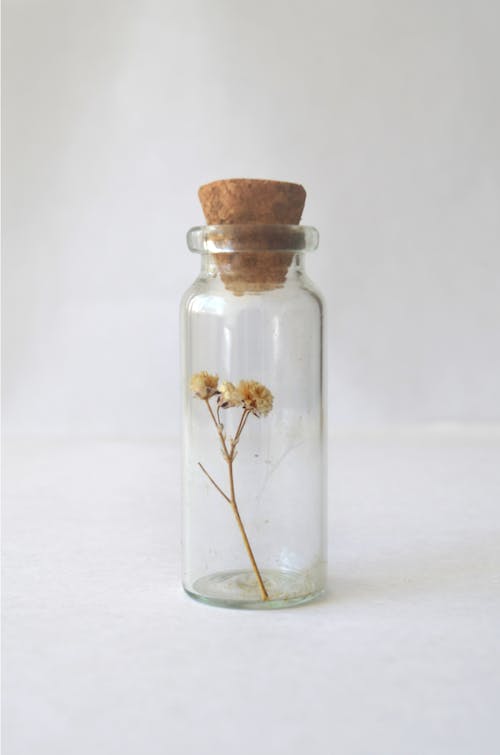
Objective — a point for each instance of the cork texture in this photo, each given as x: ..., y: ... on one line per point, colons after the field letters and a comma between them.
x: 249, y: 200
x: 245, y: 201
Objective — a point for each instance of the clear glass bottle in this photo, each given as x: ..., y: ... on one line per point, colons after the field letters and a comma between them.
x: 254, y: 497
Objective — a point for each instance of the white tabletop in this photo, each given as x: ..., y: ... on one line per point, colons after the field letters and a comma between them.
x: 105, y: 654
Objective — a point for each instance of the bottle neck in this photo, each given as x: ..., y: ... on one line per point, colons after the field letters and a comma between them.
x: 252, y: 258
x: 253, y: 272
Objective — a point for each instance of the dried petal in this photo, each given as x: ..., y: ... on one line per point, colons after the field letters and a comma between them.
x: 229, y: 395
x: 204, y: 385
x: 256, y: 397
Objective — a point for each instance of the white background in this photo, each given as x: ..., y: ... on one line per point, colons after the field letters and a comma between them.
x: 387, y: 112
x: 114, y: 114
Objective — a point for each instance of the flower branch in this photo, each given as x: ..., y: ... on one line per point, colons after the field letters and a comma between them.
x: 253, y: 398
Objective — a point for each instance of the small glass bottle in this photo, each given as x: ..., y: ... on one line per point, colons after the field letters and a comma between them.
x: 254, y: 498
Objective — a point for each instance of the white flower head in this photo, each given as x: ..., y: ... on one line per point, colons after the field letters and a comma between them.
x: 256, y: 397
x: 204, y: 385
x: 229, y: 395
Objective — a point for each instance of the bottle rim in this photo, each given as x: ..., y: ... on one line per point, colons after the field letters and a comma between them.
x: 252, y: 237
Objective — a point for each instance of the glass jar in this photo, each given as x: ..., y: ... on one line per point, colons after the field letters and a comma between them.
x: 254, y: 487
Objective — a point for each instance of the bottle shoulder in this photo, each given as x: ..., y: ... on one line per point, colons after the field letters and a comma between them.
x: 312, y: 291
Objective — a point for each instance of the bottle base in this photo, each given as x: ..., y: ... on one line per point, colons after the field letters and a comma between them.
x: 239, y: 589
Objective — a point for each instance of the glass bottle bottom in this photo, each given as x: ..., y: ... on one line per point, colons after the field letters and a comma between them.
x: 239, y: 589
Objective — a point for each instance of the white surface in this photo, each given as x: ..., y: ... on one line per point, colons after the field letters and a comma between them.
x: 105, y: 654
x: 115, y: 112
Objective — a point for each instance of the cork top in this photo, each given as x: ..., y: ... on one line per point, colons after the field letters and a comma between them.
x: 260, y: 213
x: 252, y: 200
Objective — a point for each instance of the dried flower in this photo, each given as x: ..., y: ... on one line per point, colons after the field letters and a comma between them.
x: 253, y: 398
x: 229, y: 395
x: 204, y: 385
x: 256, y: 397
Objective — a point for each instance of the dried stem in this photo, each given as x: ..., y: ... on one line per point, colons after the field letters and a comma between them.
x: 218, y: 428
x: 262, y: 588
x: 229, y: 457
x: 236, y: 438
x: 214, y: 483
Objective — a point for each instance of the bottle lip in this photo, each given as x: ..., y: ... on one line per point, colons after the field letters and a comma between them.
x: 252, y: 237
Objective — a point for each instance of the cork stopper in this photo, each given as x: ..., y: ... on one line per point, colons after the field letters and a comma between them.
x: 252, y: 200
x: 246, y: 201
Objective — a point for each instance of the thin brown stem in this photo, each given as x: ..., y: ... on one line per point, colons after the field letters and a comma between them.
x: 248, y: 548
x: 240, y: 426
x: 218, y: 428
x: 229, y: 457
x: 236, y: 438
x: 247, y: 414
x: 214, y: 483
x: 207, y: 402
